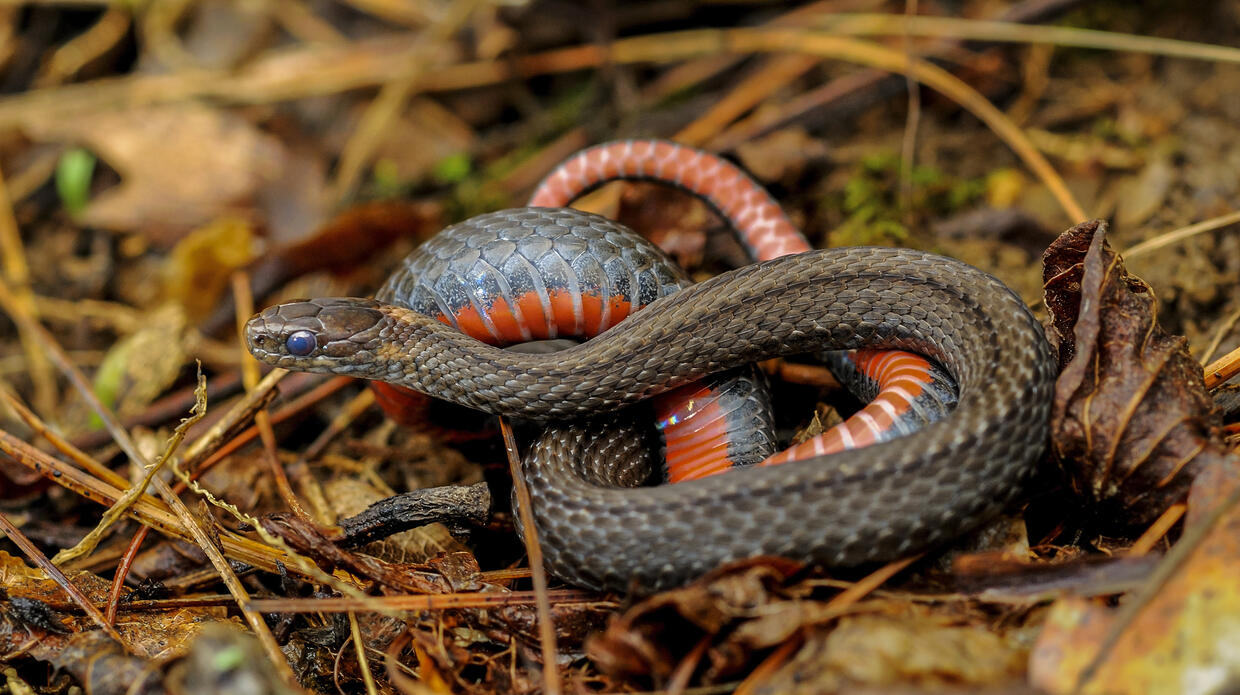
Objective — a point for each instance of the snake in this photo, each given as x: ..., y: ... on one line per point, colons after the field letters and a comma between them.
x: 724, y: 424
x: 599, y: 525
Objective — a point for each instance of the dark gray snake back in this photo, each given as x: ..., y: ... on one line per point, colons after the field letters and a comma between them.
x: 854, y: 507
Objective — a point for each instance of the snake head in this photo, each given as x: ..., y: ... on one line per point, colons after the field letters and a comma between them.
x: 334, y: 335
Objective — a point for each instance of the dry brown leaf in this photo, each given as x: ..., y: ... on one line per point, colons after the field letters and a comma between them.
x: 1181, y: 641
x: 573, y: 622
x: 200, y: 264
x: 674, y: 220
x: 906, y: 650
x: 782, y: 155
x: 653, y: 636
x: 158, y: 634
x: 1143, y: 195
x: 312, y: 542
x: 1132, y: 423
x: 341, y: 245
x: 350, y: 496
x: 181, y: 165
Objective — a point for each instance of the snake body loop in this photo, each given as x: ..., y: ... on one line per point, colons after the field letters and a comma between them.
x: 705, y: 430
x: 864, y: 505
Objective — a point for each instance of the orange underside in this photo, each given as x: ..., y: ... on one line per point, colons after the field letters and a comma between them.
x: 901, y: 378
x: 695, y: 431
x: 561, y: 319
x: 407, y: 406
x: 693, y: 424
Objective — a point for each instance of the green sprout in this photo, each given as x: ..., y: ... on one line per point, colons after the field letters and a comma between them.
x: 73, y: 175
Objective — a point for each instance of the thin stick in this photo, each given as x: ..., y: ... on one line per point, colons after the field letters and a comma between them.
x: 16, y: 272
x: 678, y: 683
x: 944, y: 82
x: 538, y: 573
x: 79, y: 51
x: 1158, y: 529
x: 122, y: 571
x: 872, y: 581
x: 281, y: 75
x: 87, y: 544
x: 81, y: 458
x: 149, y: 511
x: 242, y: 411
x: 393, y: 96
x: 1178, y: 235
x: 243, y: 303
x: 774, y: 74
x: 1171, y: 563
x: 414, y: 602
x: 289, y: 410
x: 1220, y: 334
x: 908, y: 144
x: 1224, y: 368
x: 363, y: 664
x: 153, y: 513
x: 40, y: 560
x: 862, y: 24
x: 770, y: 664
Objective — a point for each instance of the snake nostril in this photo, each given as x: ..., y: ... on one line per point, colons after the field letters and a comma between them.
x: 301, y: 343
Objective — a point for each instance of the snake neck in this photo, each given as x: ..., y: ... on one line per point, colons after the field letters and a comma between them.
x: 366, y: 339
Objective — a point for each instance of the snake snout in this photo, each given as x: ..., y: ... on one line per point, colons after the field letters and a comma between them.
x: 319, y: 332
x: 262, y: 333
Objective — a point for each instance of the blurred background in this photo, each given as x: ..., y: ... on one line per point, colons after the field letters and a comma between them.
x: 168, y: 165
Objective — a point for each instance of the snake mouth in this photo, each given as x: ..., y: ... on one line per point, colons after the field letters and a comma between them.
x: 337, y: 335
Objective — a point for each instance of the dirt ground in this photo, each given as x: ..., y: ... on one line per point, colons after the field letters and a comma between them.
x: 168, y: 168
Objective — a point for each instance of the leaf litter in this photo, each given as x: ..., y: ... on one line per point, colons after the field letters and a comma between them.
x: 1114, y: 576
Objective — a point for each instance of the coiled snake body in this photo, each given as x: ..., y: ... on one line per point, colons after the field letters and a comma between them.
x: 853, y: 507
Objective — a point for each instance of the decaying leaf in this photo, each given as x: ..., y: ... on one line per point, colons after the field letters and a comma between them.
x: 574, y: 623
x: 158, y: 634
x: 898, y: 650
x: 1182, y: 640
x: 141, y: 366
x: 181, y: 164
x: 199, y: 266
x: 1132, y: 423
x: 419, y: 579
x: 339, y: 245
x: 349, y: 496
x: 652, y: 637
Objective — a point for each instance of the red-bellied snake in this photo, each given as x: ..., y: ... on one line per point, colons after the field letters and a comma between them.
x: 848, y: 508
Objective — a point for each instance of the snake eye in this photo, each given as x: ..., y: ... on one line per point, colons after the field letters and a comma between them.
x: 301, y: 343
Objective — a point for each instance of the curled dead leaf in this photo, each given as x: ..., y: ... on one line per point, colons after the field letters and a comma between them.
x: 1132, y: 423
x: 1179, y: 638
x: 652, y: 637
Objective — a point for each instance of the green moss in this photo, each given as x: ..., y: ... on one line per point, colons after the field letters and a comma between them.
x: 453, y: 168
x: 870, y: 201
